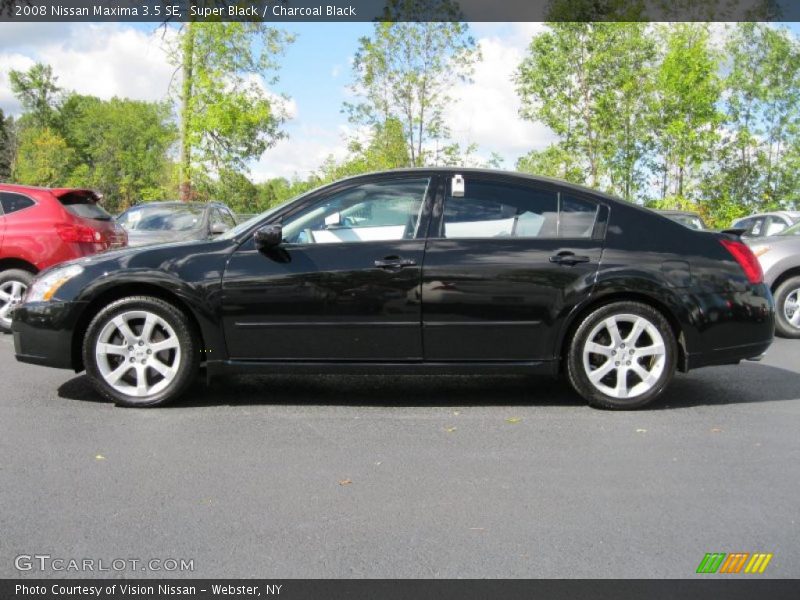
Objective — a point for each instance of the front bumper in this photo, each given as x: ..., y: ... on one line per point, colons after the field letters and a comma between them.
x: 43, y: 333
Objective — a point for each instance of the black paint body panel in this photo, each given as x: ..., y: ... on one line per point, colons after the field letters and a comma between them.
x: 477, y: 304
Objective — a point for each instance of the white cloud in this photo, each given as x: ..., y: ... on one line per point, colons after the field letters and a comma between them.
x: 486, y: 111
x: 302, y: 153
x: 100, y: 60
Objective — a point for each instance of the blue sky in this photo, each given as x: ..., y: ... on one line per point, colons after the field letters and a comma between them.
x: 129, y: 61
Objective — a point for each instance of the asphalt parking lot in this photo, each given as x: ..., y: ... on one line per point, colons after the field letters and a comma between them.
x: 404, y: 477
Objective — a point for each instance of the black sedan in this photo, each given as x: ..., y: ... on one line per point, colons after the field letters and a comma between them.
x: 413, y: 271
x: 159, y: 222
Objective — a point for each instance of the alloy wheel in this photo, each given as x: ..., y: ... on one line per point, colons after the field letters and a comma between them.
x: 791, y: 308
x: 138, y: 353
x: 624, y: 356
x: 11, y: 293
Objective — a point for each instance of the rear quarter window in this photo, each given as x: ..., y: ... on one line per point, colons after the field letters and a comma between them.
x: 84, y: 206
x: 12, y: 202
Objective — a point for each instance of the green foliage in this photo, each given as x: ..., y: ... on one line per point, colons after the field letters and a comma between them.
x: 121, y: 146
x: 686, y: 114
x: 403, y: 73
x: 38, y: 92
x: 43, y: 158
x: 759, y: 151
x: 591, y: 84
x: 227, y: 115
x: 7, y: 146
x: 659, y: 115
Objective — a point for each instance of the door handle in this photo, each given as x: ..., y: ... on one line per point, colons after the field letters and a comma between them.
x: 395, y: 262
x: 568, y: 258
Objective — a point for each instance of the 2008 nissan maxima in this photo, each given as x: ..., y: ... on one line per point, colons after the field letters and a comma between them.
x: 412, y: 271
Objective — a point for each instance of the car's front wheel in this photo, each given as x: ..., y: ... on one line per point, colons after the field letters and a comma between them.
x: 622, y: 356
x: 787, y: 303
x: 141, y: 351
x: 13, y: 285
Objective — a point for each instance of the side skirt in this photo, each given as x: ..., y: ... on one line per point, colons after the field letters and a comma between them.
x: 238, y: 367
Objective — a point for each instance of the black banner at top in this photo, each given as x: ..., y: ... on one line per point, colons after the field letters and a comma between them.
x: 395, y: 10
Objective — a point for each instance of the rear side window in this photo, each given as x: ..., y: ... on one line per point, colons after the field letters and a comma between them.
x: 84, y: 206
x: 501, y: 210
x: 14, y: 202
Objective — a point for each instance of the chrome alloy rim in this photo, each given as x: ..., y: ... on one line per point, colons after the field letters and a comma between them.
x: 11, y: 293
x: 138, y: 353
x: 624, y: 356
x: 791, y: 308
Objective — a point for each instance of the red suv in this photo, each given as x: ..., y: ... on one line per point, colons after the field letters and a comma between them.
x: 41, y: 227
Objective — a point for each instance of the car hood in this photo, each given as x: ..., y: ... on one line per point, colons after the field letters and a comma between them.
x: 147, y: 238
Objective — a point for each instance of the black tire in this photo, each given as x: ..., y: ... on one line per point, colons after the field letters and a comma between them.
x: 186, y: 370
x: 579, y: 378
x: 782, y: 325
x: 13, y: 275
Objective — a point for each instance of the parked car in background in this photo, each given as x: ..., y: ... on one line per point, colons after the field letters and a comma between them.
x: 685, y: 217
x: 779, y: 256
x: 158, y: 222
x: 42, y: 227
x: 412, y: 271
x: 766, y: 224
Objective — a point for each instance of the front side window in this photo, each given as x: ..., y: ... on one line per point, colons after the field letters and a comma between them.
x: 382, y: 211
x: 501, y: 210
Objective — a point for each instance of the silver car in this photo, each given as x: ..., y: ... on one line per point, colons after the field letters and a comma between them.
x: 779, y: 256
x: 767, y: 224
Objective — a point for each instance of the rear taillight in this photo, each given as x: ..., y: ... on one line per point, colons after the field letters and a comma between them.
x: 746, y: 259
x: 79, y: 234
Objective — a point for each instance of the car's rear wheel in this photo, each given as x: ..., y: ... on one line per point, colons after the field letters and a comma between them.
x: 141, y: 351
x: 13, y: 285
x: 787, y: 303
x: 622, y: 356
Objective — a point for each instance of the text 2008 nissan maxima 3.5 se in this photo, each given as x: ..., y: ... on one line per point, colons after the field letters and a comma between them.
x: 423, y: 271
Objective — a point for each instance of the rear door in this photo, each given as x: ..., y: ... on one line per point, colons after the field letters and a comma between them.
x: 503, y: 263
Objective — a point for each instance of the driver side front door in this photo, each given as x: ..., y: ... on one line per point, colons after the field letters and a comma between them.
x: 344, y: 285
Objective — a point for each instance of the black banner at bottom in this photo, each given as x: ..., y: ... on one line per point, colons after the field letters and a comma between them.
x: 382, y: 589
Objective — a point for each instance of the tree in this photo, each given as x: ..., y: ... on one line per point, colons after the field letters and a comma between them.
x: 760, y: 146
x: 686, y: 115
x: 121, y: 147
x: 38, y: 92
x: 591, y: 84
x: 43, y: 158
x: 404, y: 71
x: 553, y: 161
x: 6, y: 146
x: 227, y: 116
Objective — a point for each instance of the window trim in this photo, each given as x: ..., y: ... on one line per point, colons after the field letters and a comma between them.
x: 600, y: 220
x: 3, y: 212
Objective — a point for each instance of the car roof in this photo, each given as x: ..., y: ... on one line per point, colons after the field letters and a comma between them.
x: 794, y: 214
x: 178, y: 203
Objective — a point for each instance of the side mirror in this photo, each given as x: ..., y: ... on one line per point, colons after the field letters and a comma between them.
x: 268, y: 237
x: 217, y: 228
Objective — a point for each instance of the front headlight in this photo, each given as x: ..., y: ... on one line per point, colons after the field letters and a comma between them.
x: 760, y: 250
x: 43, y: 288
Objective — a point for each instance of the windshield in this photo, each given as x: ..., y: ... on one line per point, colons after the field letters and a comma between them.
x: 162, y: 218
x: 690, y: 221
x: 245, y: 225
x: 793, y: 230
